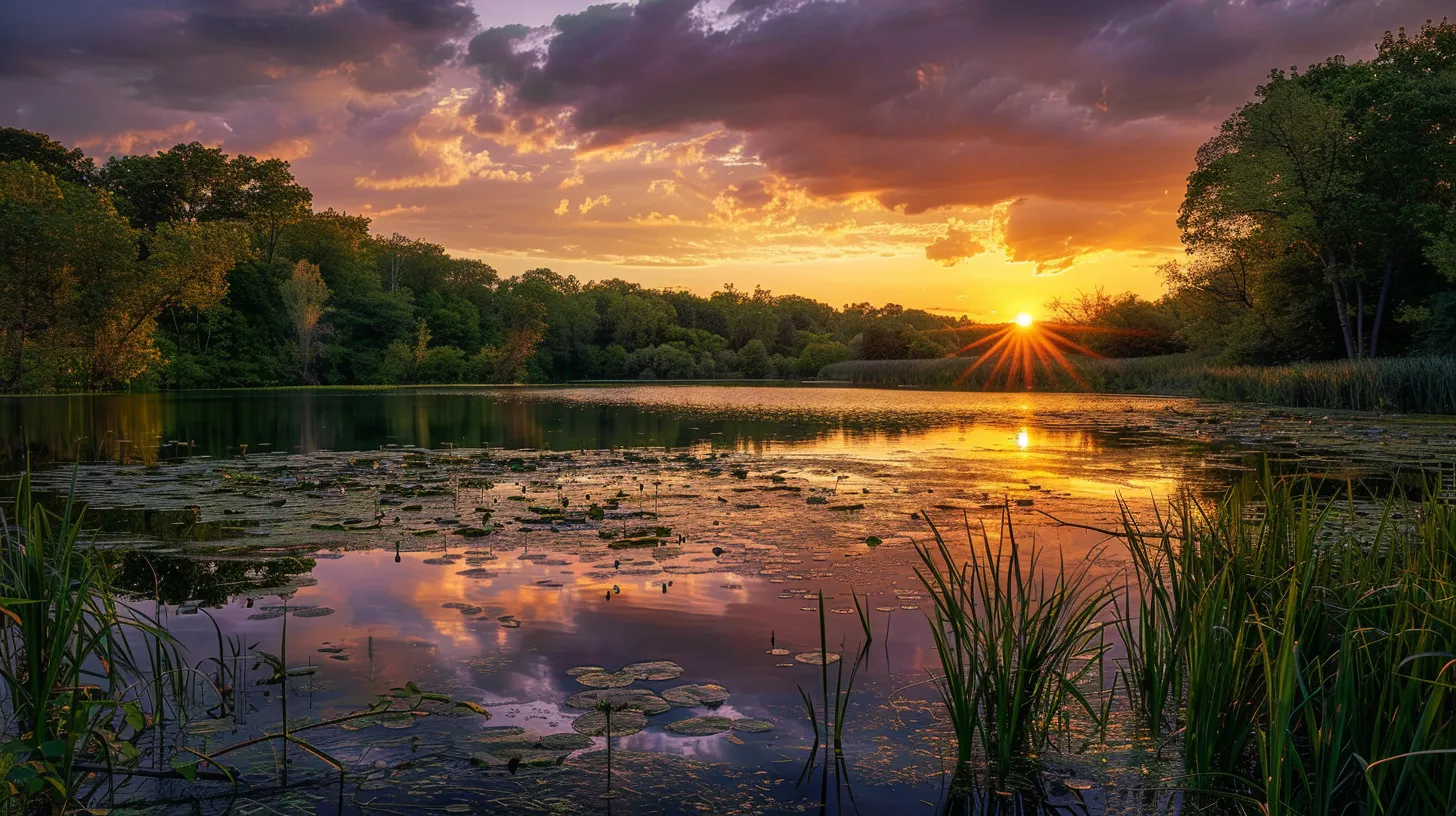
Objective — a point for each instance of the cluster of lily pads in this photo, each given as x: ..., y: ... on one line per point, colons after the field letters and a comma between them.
x: 613, y: 709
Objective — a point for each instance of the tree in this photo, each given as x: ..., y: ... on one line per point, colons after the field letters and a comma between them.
x: 270, y: 199
x: 67, y: 165
x: 304, y: 295
x: 753, y: 359
x: 1348, y: 166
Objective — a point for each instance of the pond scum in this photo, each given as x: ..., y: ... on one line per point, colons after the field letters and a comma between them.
x: 1425, y: 385
x: 1296, y: 649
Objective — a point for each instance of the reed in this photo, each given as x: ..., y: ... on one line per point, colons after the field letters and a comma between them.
x: 76, y: 689
x: 1318, y: 646
x: 1393, y: 384
x: 1018, y: 643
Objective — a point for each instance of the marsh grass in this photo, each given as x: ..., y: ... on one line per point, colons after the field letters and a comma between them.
x: 78, y: 693
x: 1317, y: 638
x: 1018, y: 642
x: 1395, y: 384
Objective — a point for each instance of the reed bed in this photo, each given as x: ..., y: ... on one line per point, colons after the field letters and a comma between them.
x: 1018, y: 644
x: 1394, y: 384
x: 1299, y: 648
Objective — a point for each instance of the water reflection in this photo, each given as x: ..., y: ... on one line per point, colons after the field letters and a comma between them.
x: 770, y: 495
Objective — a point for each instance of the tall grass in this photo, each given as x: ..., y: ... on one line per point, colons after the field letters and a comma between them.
x: 1398, y: 384
x: 1017, y: 643
x: 1318, y: 640
x: 76, y: 692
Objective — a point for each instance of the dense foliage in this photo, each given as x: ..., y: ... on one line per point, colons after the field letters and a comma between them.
x: 192, y: 268
x: 1322, y: 217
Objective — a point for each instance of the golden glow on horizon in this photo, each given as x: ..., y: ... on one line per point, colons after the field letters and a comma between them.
x: 1023, y: 320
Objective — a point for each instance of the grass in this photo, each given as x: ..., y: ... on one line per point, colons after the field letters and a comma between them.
x: 77, y: 693
x: 1318, y: 637
x: 1395, y: 384
x: 1017, y: 644
x: 1298, y: 643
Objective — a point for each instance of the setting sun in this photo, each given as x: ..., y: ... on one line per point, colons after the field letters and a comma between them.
x: 1023, y: 320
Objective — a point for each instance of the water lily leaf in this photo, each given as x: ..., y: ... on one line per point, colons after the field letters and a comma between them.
x: 701, y: 726
x: 635, y: 699
x: 817, y: 658
x: 580, y: 670
x: 605, y: 679
x: 572, y: 742
x: 624, y: 723
x: 752, y: 726
x: 707, y: 694
x: 654, y: 670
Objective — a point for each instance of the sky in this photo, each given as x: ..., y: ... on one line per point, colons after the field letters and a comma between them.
x: 968, y: 156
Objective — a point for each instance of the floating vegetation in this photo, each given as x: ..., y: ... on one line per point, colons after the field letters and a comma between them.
x: 312, y: 612
x: 655, y: 670
x: 625, y: 722
x: 817, y: 658
x: 606, y: 680
x: 700, y: 726
x: 690, y: 696
x: 641, y: 700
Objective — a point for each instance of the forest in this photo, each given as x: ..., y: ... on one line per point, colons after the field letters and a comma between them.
x: 1320, y: 223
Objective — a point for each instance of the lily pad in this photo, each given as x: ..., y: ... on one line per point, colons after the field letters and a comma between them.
x: 316, y: 612
x: 624, y: 723
x: 752, y: 726
x: 635, y: 699
x: 580, y: 670
x: 688, y: 696
x: 701, y: 726
x: 570, y: 741
x: 817, y: 658
x: 654, y: 670
x: 603, y: 680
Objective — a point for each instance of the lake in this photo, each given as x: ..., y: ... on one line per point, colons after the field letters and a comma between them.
x: 532, y: 550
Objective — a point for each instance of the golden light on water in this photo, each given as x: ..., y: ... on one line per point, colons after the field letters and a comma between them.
x: 1023, y: 320
x: 1023, y: 439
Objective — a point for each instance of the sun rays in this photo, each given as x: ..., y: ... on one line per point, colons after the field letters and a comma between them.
x: 1017, y: 350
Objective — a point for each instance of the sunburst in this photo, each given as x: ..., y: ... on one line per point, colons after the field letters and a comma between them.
x: 1016, y: 350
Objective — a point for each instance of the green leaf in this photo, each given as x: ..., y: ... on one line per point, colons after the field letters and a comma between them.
x: 186, y: 770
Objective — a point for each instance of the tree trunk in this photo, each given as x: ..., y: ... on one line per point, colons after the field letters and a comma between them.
x: 1344, y: 319
x: 1380, y: 304
x: 1360, y: 318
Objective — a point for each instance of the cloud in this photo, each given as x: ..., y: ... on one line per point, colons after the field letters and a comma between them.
x: 955, y: 246
x: 1056, y: 236
x: 1047, y: 132
x: 928, y: 103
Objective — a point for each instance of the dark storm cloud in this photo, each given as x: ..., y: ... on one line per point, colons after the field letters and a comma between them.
x: 933, y: 102
x: 202, y: 54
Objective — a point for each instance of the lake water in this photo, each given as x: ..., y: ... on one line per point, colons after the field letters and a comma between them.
x: 445, y: 538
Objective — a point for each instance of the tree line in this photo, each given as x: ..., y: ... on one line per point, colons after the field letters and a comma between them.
x: 191, y: 268
x: 1320, y: 222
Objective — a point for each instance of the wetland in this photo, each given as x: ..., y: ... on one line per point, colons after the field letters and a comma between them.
x: 631, y: 599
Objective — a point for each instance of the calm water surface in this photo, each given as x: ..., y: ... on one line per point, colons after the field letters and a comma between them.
x: 393, y: 537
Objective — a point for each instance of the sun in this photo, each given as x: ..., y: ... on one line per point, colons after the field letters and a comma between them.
x: 1023, y: 320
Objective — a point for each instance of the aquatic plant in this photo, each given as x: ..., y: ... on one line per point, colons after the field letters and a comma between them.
x: 1399, y: 384
x: 78, y: 692
x: 1017, y: 643
x: 1319, y: 646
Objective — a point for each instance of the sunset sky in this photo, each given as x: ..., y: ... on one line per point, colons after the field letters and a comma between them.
x: 973, y: 156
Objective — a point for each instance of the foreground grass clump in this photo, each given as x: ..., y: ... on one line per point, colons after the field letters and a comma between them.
x: 1314, y: 640
x: 1401, y: 384
x: 1018, y: 644
x: 79, y: 695
x: 1298, y: 647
